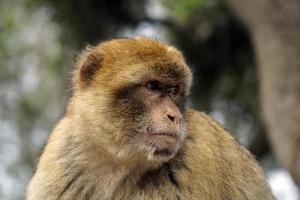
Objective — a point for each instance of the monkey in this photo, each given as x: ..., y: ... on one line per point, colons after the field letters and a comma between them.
x: 128, y: 134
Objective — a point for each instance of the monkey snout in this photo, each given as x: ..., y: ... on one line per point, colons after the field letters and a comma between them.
x: 174, y: 124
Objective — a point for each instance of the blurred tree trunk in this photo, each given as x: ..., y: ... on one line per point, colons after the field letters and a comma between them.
x: 275, y: 29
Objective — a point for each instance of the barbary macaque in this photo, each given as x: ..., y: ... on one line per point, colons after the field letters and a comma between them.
x: 128, y: 134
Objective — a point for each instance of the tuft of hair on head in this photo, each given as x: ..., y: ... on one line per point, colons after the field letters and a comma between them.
x: 87, y: 63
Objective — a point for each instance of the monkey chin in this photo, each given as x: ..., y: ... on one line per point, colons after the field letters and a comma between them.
x: 162, y: 147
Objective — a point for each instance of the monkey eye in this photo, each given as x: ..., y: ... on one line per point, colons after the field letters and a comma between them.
x: 174, y: 90
x: 153, y: 86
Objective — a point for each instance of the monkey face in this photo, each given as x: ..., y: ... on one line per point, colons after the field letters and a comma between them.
x: 152, y: 110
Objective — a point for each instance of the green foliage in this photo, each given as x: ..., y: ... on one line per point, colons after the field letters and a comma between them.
x: 181, y: 9
x: 32, y: 83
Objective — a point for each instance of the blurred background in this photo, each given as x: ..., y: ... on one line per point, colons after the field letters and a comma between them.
x: 245, y: 56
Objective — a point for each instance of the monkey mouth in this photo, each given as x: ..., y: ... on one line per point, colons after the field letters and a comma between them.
x: 173, y: 135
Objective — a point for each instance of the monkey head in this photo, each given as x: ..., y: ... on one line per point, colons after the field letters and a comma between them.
x: 132, y: 96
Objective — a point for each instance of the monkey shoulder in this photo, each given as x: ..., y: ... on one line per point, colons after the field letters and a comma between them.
x: 50, y: 174
x: 216, y: 160
x: 205, y: 132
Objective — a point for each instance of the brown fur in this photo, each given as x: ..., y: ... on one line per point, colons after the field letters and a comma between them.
x: 93, y: 152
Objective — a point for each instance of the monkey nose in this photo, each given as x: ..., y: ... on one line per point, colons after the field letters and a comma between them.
x: 176, y: 120
x: 172, y: 118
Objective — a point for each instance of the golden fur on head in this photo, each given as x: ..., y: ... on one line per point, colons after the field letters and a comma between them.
x: 135, y: 55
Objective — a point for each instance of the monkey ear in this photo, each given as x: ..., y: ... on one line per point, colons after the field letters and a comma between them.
x: 87, y: 65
